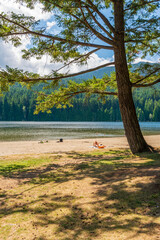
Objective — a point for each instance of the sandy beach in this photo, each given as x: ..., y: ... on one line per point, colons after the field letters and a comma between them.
x: 34, y: 147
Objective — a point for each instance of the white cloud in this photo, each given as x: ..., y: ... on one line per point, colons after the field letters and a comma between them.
x: 50, y: 25
x: 13, y: 6
x: 148, y: 59
x: 11, y: 56
x: 55, y: 31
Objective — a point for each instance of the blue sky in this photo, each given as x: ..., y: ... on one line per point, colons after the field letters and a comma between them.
x: 12, y: 55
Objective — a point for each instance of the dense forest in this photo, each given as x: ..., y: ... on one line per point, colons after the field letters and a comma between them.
x: 19, y: 103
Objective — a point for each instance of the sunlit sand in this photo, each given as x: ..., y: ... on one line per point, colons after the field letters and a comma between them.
x: 29, y: 147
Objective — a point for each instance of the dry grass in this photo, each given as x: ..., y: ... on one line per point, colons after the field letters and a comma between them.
x: 99, y: 195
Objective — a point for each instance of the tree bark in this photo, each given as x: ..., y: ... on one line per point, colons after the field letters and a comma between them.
x: 133, y: 132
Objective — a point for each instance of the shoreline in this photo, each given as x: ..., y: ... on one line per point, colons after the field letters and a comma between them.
x: 52, y: 146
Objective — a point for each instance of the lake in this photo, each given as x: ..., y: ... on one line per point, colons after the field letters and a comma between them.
x: 21, y: 131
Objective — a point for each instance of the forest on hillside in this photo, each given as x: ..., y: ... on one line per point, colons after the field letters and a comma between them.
x: 19, y: 104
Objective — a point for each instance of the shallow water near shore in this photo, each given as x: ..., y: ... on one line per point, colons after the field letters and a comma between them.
x: 23, y: 131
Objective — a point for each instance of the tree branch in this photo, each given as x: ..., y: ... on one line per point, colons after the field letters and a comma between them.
x: 142, y: 4
x: 147, y: 85
x: 146, y: 76
x: 15, y: 34
x: 96, y: 21
x: 134, y: 40
x: 67, y: 96
x: 56, y: 38
x: 139, y: 40
x: 64, y: 76
x: 72, y: 94
x: 105, y: 20
x: 99, y: 35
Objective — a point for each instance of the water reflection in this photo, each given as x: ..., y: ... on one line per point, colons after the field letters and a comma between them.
x: 16, y: 131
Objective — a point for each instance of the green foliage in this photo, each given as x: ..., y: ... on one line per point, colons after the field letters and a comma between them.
x: 11, y: 75
x: 62, y: 97
x: 142, y: 28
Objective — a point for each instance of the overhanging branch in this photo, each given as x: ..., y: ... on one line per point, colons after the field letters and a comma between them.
x: 105, y: 20
x: 64, y: 98
x: 146, y: 77
x: 54, y: 38
x: 147, y: 85
x: 64, y: 76
x: 96, y: 33
x: 97, y: 22
x: 72, y: 94
x: 140, y: 5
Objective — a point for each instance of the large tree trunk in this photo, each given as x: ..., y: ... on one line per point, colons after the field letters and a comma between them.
x: 127, y: 108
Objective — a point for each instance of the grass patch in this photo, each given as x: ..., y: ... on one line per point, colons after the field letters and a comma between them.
x: 12, y: 166
x: 96, y: 195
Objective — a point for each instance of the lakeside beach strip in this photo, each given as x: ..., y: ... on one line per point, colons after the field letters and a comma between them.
x: 35, y: 147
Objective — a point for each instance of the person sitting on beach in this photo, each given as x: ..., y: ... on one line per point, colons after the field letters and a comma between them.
x: 95, y: 144
x: 98, y: 145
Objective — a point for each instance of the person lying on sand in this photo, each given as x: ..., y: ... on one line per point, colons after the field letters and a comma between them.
x: 98, y: 145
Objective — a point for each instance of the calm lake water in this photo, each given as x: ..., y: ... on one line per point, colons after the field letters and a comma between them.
x: 17, y: 131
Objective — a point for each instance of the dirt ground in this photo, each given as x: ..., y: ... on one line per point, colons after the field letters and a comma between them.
x: 94, y: 195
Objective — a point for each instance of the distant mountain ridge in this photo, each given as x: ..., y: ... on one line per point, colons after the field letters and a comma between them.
x: 98, y: 73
